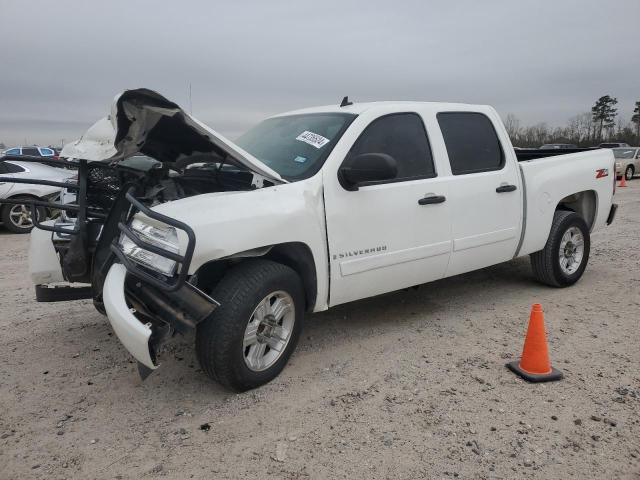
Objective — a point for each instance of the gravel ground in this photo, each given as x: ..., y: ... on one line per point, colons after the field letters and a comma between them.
x: 406, y: 385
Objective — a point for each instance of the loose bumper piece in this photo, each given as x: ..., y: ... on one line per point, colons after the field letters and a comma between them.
x: 133, y: 334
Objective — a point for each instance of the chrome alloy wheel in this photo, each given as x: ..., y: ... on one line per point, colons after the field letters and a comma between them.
x: 628, y: 173
x: 268, y: 331
x: 571, y: 250
x: 20, y: 216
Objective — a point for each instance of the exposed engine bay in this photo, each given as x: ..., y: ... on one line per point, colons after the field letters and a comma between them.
x: 147, y: 152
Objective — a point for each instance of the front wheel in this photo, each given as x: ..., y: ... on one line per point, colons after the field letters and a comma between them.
x: 628, y: 173
x: 564, y: 258
x: 251, y: 335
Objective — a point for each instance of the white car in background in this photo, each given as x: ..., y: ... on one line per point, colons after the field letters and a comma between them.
x: 627, y: 161
x: 17, y: 217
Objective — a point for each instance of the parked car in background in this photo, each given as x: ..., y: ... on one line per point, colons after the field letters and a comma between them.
x: 627, y: 161
x: 613, y: 145
x: 558, y: 146
x: 33, y: 151
x: 17, y: 217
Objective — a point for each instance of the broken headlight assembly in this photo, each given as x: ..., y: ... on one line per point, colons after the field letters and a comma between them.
x: 164, y: 237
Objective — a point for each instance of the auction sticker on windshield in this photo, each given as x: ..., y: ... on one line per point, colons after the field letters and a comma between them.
x: 312, y: 139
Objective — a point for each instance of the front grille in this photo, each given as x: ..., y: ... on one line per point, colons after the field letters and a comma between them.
x: 103, y: 185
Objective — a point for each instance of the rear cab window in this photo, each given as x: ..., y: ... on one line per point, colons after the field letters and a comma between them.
x: 472, y: 142
x: 402, y: 136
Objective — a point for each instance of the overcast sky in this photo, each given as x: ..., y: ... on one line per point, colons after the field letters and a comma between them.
x: 62, y: 62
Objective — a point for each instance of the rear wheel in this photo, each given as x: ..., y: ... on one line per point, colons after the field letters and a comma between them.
x: 251, y: 335
x: 564, y: 258
x: 628, y: 173
x: 18, y: 218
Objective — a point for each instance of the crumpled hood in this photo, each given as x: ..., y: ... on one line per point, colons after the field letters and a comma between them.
x: 143, y: 121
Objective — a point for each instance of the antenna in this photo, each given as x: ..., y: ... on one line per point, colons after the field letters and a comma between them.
x: 345, y: 102
x: 190, y: 103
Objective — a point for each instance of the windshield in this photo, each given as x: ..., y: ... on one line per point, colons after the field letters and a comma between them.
x: 624, y: 153
x: 296, y: 146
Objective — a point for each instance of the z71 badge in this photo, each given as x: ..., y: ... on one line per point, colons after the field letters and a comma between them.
x: 602, y: 172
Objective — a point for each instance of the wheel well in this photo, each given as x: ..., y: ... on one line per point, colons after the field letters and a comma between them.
x: 295, y: 255
x: 21, y: 195
x: 13, y: 197
x: 24, y: 195
x: 583, y: 203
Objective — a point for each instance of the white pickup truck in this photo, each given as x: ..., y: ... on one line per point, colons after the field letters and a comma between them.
x: 307, y: 210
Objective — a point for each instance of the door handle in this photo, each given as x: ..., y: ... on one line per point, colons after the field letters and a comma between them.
x: 431, y: 199
x: 506, y: 188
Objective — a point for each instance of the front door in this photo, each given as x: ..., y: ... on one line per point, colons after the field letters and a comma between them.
x: 393, y: 234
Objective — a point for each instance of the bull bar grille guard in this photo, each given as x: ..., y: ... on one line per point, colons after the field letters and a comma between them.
x: 87, y: 212
x: 160, y: 281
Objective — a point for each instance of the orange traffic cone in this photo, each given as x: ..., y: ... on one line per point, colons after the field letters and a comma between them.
x: 623, y: 181
x: 534, y: 364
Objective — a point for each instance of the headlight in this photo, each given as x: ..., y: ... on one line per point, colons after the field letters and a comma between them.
x: 164, y: 237
x: 617, y: 165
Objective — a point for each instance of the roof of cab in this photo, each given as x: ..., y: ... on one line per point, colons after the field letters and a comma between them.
x: 359, y: 108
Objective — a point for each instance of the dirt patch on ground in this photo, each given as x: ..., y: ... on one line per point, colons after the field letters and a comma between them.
x: 406, y: 385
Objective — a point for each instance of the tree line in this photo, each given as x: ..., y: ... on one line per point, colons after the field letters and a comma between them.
x: 601, y: 124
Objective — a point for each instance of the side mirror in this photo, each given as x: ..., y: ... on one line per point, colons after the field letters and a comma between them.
x: 365, y: 168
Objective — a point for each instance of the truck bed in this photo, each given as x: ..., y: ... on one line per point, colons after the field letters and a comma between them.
x: 587, y: 175
x: 535, y: 153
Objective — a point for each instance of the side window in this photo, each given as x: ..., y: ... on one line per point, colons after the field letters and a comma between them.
x: 12, y: 168
x: 403, y: 136
x: 30, y: 151
x: 46, y: 152
x: 13, y: 151
x: 472, y: 142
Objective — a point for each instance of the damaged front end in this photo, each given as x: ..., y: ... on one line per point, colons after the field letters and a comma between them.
x: 135, y: 260
x: 146, y: 300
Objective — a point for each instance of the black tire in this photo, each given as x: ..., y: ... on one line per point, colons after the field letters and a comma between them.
x: 546, y: 262
x: 8, y: 222
x: 628, y: 173
x: 219, y: 339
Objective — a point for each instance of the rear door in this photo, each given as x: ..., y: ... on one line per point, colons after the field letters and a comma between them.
x: 486, y: 211
x: 380, y: 237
